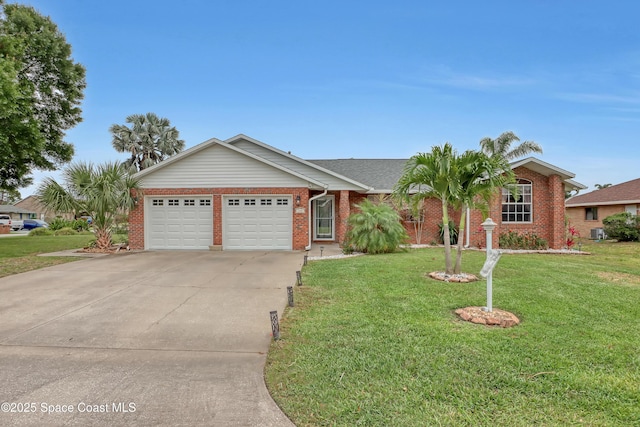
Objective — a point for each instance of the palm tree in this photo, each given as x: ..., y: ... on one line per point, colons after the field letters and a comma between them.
x: 501, y: 146
x: 432, y: 175
x: 149, y: 140
x: 103, y: 191
x: 479, y: 177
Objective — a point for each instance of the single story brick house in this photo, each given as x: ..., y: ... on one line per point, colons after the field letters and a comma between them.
x: 586, y: 211
x: 242, y: 194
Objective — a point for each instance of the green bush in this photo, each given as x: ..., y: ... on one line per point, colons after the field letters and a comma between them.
x: 41, y: 231
x: 527, y: 241
x: 453, y: 232
x: 623, y: 227
x: 375, y: 229
x: 59, y: 223
x: 66, y: 231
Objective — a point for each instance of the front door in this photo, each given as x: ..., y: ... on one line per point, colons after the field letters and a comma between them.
x: 323, y: 212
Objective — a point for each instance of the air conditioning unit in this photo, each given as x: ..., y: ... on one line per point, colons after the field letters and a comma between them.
x: 597, y: 234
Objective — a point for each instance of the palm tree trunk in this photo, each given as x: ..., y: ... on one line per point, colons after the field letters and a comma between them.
x: 103, y: 238
x: 463, y: 215
x: 447, y: 238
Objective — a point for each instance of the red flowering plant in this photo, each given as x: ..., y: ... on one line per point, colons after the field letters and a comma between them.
x: 572, y: 233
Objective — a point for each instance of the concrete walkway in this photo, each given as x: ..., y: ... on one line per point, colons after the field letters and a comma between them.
x: 148, y: 338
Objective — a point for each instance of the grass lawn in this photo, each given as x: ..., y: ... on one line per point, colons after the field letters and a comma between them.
x: 371, y: 341
x: 19, y: 254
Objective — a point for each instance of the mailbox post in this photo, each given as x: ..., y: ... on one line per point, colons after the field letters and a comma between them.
x: 488, y: 225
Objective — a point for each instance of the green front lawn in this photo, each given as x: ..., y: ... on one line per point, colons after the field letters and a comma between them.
x: 371, y: 341
x: 19, y: 254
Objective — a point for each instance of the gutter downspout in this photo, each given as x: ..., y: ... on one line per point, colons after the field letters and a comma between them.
x: 468, y: 235
x: 309, y: 210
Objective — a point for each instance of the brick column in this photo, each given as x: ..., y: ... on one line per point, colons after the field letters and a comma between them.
x: 217, y: 219
x: 556, y: 212
x: 344, y: 210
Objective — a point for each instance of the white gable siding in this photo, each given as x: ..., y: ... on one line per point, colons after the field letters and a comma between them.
x: 217, y: 166
x: 333, y: 182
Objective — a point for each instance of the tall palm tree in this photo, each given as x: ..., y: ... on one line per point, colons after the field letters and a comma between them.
x: 432, y: 175
x: 103, y: 191
x: 149, y: 140
x: 501, y: 146
x: 479, y: 177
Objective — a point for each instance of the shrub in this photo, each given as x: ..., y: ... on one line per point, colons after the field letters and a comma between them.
x: 527, y: 241
x: 41, y: 231
x: 623, y: 227
x: 79, y: 225
x: 453, y: 232
x: 67, y: 231
x: 375, y: 229
x: 58, y: 223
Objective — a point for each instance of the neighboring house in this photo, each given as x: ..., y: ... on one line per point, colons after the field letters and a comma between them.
x: 586, y: 211
x: 17, y: 212
x: 39, y: 211
x: 242, y: 194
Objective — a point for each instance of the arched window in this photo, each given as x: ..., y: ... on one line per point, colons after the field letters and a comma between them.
x: 518, y: 207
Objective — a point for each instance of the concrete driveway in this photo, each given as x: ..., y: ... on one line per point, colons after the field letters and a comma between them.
x: 149, y: 338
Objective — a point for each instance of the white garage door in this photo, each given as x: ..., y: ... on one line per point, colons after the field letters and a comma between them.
x: 179, y: 222
x: 257, y: 222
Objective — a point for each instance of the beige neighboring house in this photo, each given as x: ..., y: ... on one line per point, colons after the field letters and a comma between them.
x: 32, y: 204
x: 17, y: 212
x: 586, y: 211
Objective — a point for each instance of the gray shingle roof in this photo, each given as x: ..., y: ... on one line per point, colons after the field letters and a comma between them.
x: 381, y: 174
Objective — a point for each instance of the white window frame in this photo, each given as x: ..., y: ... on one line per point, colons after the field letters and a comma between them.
x: 333, y: 218
x: 509, y: 200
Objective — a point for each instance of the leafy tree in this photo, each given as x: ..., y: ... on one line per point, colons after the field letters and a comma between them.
x: 501, y: 146
x: 429, y: 175
x: 375, y: 229
x: 9, y: 197
x: 623, y: 226
x: 102, y: 191
x: 40, y: 92
x: 149, y: 140
x: 480, y: 176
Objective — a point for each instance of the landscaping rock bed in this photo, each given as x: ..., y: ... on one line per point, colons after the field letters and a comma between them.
x: 496, y: 317
x: 457, y: 278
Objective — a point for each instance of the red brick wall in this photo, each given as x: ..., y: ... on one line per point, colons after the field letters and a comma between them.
x: 300, y: 220
x: 548, y: 212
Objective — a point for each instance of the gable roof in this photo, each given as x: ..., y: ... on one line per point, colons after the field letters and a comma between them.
x: 365, y: 175
x: 620, y: 194
x: 293, y: 162
x: 380, y: 174
x: 548, y: 169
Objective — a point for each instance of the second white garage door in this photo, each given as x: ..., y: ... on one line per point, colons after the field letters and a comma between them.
x: 257, y: 222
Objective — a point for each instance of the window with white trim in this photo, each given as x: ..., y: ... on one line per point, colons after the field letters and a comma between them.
x: 205, y: 202
x: 189, y: 202
x: 282, y: 202
x: 249, y: 202
x: 157, y: 202
x: 266, y: 202
x: 518, y: 207
x: 233, y: 202
x: 174, y: 202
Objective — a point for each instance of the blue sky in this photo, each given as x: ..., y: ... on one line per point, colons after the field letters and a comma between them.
x: 342, y: 79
